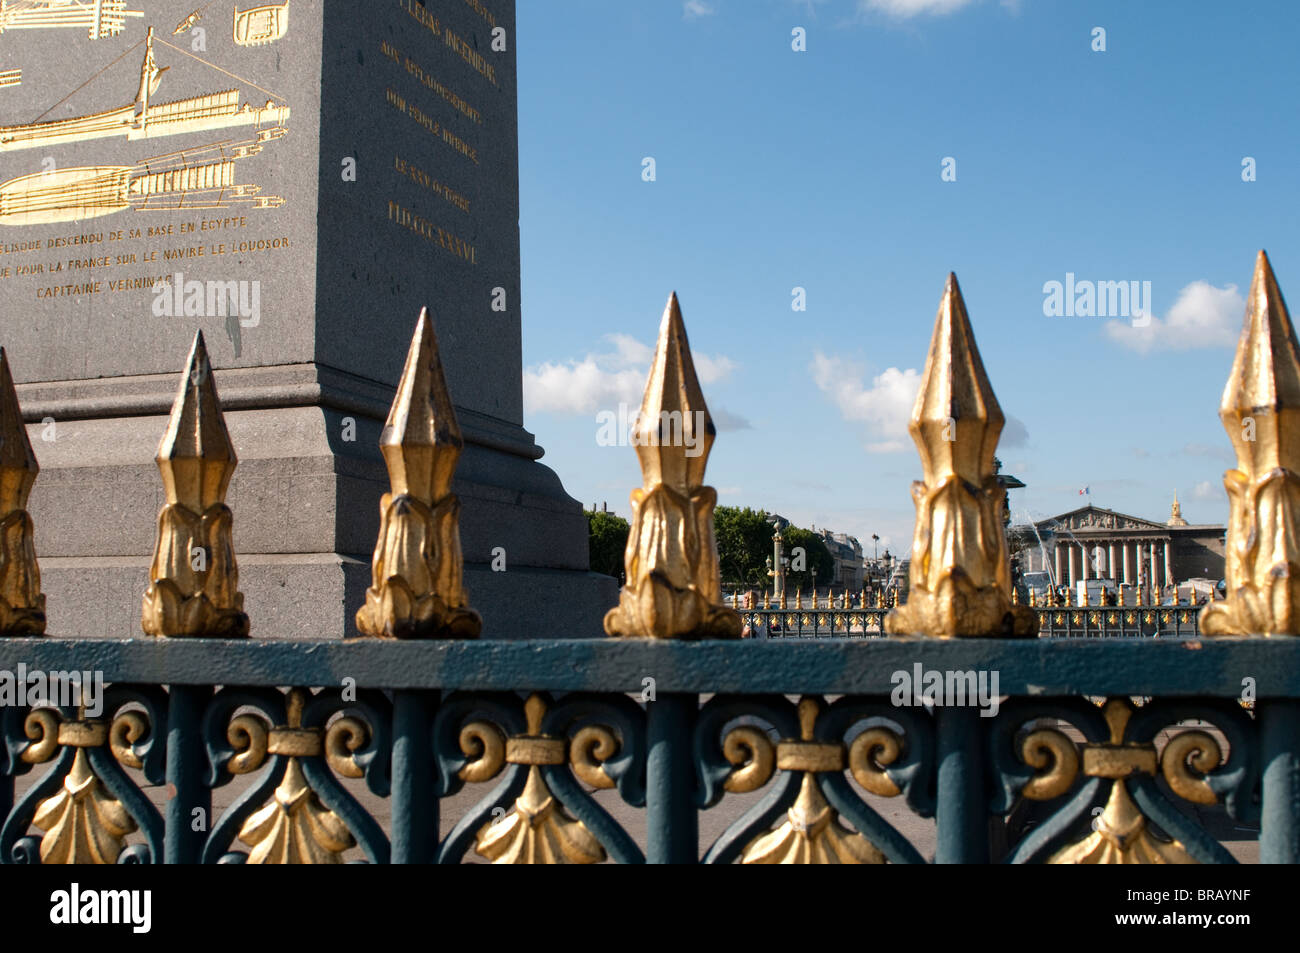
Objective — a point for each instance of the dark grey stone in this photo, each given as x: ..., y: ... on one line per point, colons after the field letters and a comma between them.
x: 428, y: 118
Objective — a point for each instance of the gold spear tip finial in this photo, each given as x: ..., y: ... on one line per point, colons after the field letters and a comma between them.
x: 421, y: 441
x: 196, y: 429
x: 674, y: 429
x: 955, y: 396
x: 1262, y: 393
x: 1266, y: 369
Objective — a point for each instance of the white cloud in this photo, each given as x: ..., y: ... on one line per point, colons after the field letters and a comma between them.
x: 886, y: 405
x: 1203, y: 316
x: 603, y: 381
x: 1205, y: 490
x: 910, y: 8
x: 694, y: 9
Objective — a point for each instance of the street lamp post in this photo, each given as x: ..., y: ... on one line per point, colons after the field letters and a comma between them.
x: 778, y: 562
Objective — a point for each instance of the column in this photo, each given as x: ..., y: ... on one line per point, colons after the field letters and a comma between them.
x: 1057, y: 552
x: 1072, y: 576
x: 1152, y: 575
x: 1110, y: 568
x: 1169, y: 566
x: 1128, y: 581
x: 1087, y: 561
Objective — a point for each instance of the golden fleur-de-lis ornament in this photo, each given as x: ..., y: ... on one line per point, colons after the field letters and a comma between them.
x: 193, y: 579
x: 673, y: 587
x: 1261, y: 413
x: 416, y: 588
x: 22, y: 605
x: 960, y: 577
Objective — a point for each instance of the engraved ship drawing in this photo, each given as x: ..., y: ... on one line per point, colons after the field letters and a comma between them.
x: 143, y: 119
x: 258, y: 26
x: 199, y: 178
x: 192, y: 19
x: 100, y: 18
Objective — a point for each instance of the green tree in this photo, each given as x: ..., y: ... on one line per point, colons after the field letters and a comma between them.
x: 744, y: 543
x: 607, y: 542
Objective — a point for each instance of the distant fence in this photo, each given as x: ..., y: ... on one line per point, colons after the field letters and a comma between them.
x: 1077, y: 622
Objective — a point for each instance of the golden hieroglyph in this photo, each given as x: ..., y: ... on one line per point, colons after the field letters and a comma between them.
x: 100, y: 19
x: 145, y: 119
x: 673, y: 586
x: 201, y: 177
x: 960, y: 577
x: 416, y: 588
x: 1261, y: 413
x: 193, y: 579
x: 22, y: 605
x: 257, y: 26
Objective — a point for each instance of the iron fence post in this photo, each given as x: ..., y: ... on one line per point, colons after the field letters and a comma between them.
x: 187, y: 792
x: 961, y: 814
x: 415, y: 806
x: 672, y: 821
x: 1279, y: 832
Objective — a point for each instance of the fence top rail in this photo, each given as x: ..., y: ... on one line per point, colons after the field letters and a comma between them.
x: 1161, y: 666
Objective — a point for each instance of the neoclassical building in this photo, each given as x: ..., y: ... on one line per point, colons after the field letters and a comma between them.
x: 1095, y: 543
x: 847, y: 553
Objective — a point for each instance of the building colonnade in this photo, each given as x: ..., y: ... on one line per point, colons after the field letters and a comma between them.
x: 1129, y: 562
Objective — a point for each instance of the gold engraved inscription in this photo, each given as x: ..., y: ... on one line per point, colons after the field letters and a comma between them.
x: 431, y: 125
x: 421, y: 226
x: 427, y: 79
x: 462, y: 49
x: 420, y: 177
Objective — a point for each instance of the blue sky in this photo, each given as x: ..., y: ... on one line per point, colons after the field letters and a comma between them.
x: 821, y: 169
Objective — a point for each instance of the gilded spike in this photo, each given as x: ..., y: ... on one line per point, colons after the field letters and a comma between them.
x: 673, y: 586
x: 960, y: 578
x: 1261, y: 413
x: 22, y: 605
x: 194, y: 580
x: 417, y: 589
